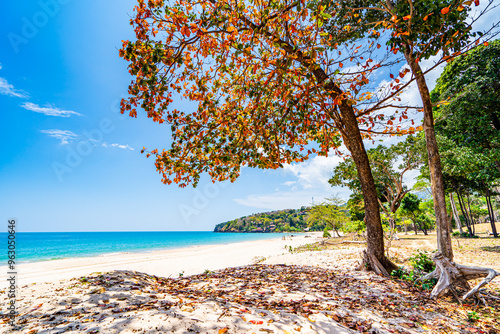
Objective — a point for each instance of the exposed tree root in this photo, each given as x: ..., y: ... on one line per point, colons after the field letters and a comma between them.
x: 453, y: 277
x: 370, y: 262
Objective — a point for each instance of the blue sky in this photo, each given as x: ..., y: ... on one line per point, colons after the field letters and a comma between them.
x: 71, y: 162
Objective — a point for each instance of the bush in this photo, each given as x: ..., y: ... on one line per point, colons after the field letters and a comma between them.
x: 456, y: 234
x: 326, y: 234
x: 467, y: 235
x: 422, y: 264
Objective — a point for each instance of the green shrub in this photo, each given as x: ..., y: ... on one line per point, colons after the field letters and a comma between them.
x: 326, y: 234
x: 456, y: 234
x: 467, y: 235
x: 422, y: 264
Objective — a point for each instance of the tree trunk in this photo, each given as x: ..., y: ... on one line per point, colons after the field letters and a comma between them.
x: 491, y: 213
x: 443, y: 228
x: 374, y: 257
x: 422, y: 227
x: 455, y: 214
x: 463, y: 208
x: 473, y: 223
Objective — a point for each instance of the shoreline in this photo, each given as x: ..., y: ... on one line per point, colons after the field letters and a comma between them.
x: 154, y: 249
x: 172, y: 262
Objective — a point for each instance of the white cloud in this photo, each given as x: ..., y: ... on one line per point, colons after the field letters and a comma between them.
x: 49, y: 110
x: 315, y: 172
x: 8, y: 89
x: 276, y: 201
x: 290, y: 199
x: 118, y: 146
x: 64, y: 135
x: 289, y: 183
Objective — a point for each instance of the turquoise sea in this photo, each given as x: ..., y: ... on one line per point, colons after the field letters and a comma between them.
x: 41, y: 246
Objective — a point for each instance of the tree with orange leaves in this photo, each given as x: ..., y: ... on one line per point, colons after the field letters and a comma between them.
x: 272, y: 87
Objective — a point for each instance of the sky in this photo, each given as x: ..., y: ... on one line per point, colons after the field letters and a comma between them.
x: 71, y: 162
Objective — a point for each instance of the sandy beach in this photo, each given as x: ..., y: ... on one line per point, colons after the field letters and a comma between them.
x: 165, y: 263
x: 248, y: 287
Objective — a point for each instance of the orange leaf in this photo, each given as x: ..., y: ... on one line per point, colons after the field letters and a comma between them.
x: 223, y: 330
x: 486, y: 43
x: 445, y: 10
x: 230, y: 29
x: 407, y: 17
x: 341, y: 65
x: 476, y: 2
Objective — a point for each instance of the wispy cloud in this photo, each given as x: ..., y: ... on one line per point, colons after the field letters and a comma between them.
x: 65, y: 136
x: 127, y: 147
x: 290, y: 199
x: 314, y: 174
x: 7, y: 89
x: 289, y: 183
x: 49, y: 110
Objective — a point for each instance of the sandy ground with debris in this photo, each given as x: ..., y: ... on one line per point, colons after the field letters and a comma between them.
x: 251, y: 287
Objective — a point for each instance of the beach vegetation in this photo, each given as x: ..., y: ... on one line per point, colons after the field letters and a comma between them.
x: 271, y: 88
x: 332, y: 214
x: 289, y: 220
x: 326, y: 233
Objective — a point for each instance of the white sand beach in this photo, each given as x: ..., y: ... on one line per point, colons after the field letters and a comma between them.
x: 248, y: 287
x: 164, y: 263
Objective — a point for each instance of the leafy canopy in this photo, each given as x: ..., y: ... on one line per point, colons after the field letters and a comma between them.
x: 267, y: 79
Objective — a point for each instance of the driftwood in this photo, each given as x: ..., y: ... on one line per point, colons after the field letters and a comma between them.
x: 453, y: 277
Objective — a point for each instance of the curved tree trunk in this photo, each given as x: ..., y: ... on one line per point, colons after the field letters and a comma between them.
x: 443, y: 227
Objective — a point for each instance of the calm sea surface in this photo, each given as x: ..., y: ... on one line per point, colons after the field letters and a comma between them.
x: 40, y: 246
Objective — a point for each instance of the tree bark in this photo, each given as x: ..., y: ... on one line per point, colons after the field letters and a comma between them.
x: 491, y: 213
x: 473, y: 223
x: 455, y: 214
x: 443, y: 228
x: 374, y: 257
x: 463, y: 208
x: 375, y: 234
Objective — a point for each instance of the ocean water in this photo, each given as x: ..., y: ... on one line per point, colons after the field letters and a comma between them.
x: 41, y: 246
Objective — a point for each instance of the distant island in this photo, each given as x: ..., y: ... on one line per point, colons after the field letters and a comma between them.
x: 289, y: 220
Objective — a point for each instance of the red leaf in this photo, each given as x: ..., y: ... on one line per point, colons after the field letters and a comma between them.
x: 445, y: 10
